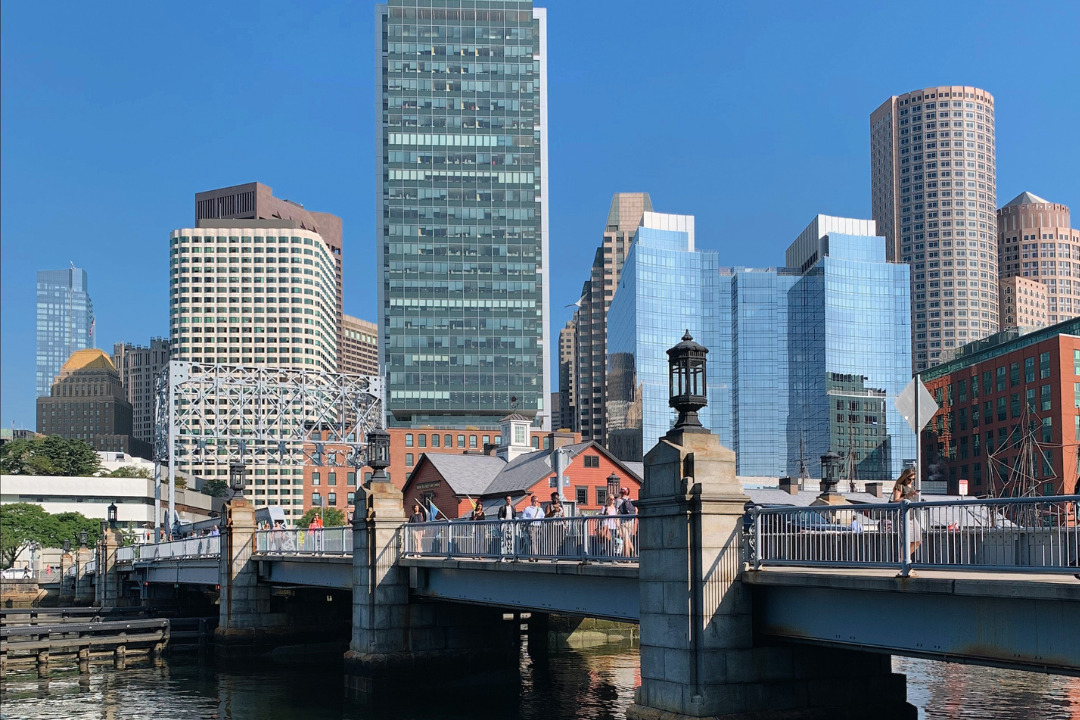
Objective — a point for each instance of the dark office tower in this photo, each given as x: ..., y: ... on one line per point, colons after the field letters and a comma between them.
x: 934, y: 195
x: 590, y: 382
x: 255, y: 201
x: 65, y: 322
x: 139, y: 367
x: 567, y: 372
x: 462, y: 211
x: 87, y: 403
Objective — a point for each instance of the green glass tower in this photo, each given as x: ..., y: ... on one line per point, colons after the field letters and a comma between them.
x: 462, y: 211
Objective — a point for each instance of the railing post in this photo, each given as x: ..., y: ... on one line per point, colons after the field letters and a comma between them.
x: 755, y: 547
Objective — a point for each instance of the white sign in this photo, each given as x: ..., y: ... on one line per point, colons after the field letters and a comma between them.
x: 905, y: 404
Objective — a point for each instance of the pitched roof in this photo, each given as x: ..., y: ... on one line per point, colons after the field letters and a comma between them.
x: 466, y: 474
x: 521, y: 473
x: 515, y: 416
x: 1026, y: 198
x: 89, y: 359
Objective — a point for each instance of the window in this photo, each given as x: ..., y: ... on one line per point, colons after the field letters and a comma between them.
x: 314, y: 478
x: 316, y: 499
x: 592, y: 461
x: 331, y: 478
x: 1029, y: 369
x: 423, y: 440
x: 1044, y: 397
x: 1014, y: 374
x: 461, y: 441
x: 1044, y: 365
x: 408, y: 440
x: 1047, y: 430
x: 986, y: 383
x: 1076, y: 362
x: 472, y: 442
x: 408, y: 459
x: 1030, y: 399
x: 350, y: 498
x: 601, y: 496
x: 962, y: 391
x: 367, y: 476
x: 435, y: 441
x: 1014, y: 404
x: 331, y: 498
x: 1001, y: 408
x: 582, y: 495
x: 350, y: 480
x: 448, y: 441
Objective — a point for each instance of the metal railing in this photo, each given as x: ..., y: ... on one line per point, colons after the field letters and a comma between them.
x: 300, y: 541
x: 594, y: 538
x: 127, y: 553
x: 197, y: 547
x: 1036, y: 535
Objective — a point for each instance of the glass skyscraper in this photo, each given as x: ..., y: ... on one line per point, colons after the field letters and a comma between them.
x: 802, y: 359
x: 65, y: 322
x: 666, y: 288
x: 462, y: 211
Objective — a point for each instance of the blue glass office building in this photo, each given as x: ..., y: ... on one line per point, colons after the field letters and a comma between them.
x: 65, y: 322
x: 462, y: 211
x: 803, y: 359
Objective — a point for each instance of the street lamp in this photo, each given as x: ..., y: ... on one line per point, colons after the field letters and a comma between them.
x: 237, y: 477
x: 687, y: 382
x: 613, y: 485
x: 378, y: 454
x: 82, y: 538
x: 829, y: 463
x: 112, y: 516
x: 67, y: 547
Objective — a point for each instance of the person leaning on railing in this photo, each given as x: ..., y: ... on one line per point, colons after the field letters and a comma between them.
x: 904, y: 489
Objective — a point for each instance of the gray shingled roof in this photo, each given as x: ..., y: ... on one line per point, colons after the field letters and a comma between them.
x: 521, y: 473
x: 467, y: 474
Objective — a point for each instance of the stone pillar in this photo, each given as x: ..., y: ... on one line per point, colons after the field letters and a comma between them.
x: 394, y: 642
x: 244, y: 617
x: 698, y: 656
x: 107, y: 586
x: 84, y: 590
x: 67, y: 562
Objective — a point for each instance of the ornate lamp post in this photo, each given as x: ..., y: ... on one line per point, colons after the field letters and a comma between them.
x: 112, y: 516
x: 82, y: 539
x: 687, y: 383
x: 237, y: 478
x: 830, y: 462
x: 613, y: 483
x: 67, y: 547
x: 378, y: 455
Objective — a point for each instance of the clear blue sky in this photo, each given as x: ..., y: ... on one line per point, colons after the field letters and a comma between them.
x: 751, y: 116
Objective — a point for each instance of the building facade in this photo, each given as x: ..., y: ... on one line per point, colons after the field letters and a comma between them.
x: 1008, y: 422
x: 139, y: 367
x: 360, y: 347
x: 462, y: 221
x: 1023, y: 303
x: 590, y: 319
x: 65, y: 322
x: 253, y: 292
x: 1036, y: 242
x: 933, y: 195
x: 802, y: 359
x: 255, y: 201
x: 88, y: 402
x: 667, y: 286
x: 568, y: 419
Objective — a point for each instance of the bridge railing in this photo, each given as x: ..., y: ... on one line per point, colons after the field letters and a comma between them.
x: 300, y: 541
x: 1008, y: 534
x: 581, y: 539
x: 198, y: 547
x: 126, y: 553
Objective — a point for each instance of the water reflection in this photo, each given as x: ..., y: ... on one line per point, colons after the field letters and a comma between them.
x: 568, y: 685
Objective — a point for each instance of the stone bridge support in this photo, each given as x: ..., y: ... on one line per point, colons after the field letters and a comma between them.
x: 245, y: 621
x: 699, y: 657
x: 398, y: 646
x: 108, y: 588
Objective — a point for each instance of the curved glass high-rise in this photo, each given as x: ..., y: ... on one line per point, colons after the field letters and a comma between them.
x: 462, y: 211
x: 934, y: 197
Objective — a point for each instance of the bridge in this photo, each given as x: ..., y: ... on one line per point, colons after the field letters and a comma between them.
x: 771, y: 609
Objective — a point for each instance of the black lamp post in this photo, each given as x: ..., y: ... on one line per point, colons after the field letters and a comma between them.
x: 378, y: 454
x: 613, y: 485
x: 830, y: 462
x: 112, y: 516
x: 67, y: 547
x: 82, y: 539
x: 237, y: 477
x: 687, y: 382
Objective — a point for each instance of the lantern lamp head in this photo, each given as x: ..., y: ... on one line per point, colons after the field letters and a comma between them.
x: 687, y: 382
x: 378, y: 453
x: 112, y: 515
x: 237, y: 477
x: 830, y: 461
x: 82, y: 538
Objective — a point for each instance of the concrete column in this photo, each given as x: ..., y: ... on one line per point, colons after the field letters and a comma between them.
x: 394, y: 642
x: 244, y: 619
x: 107, y: 586
x: 698, y: 655
x: 66, y: 563
x: 84, y: 589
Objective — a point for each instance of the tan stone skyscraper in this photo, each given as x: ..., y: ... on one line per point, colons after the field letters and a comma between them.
x: 934, y: 196
x: 590, y: 320
x: 1036, y: 241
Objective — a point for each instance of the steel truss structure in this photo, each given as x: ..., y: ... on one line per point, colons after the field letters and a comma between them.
x: 230, y: 414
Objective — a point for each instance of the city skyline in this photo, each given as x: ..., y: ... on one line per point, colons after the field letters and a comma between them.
x: 129, y: 129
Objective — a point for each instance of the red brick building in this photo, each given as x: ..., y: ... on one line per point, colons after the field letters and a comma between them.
x: 995, y: 393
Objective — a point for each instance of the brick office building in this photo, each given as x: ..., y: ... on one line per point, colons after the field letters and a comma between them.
x: 996, y: 392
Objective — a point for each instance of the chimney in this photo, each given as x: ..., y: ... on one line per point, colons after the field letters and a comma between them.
x: 789, y: 486
x: 875, y: 489
x: 562, y: 438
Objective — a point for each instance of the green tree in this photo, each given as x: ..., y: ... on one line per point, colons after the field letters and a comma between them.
x: 130, y: 471
x: 53, y: 455
x: 68, y: 525
x: 24, y: 523
x: 332, y: 517
x: 215, y: 487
